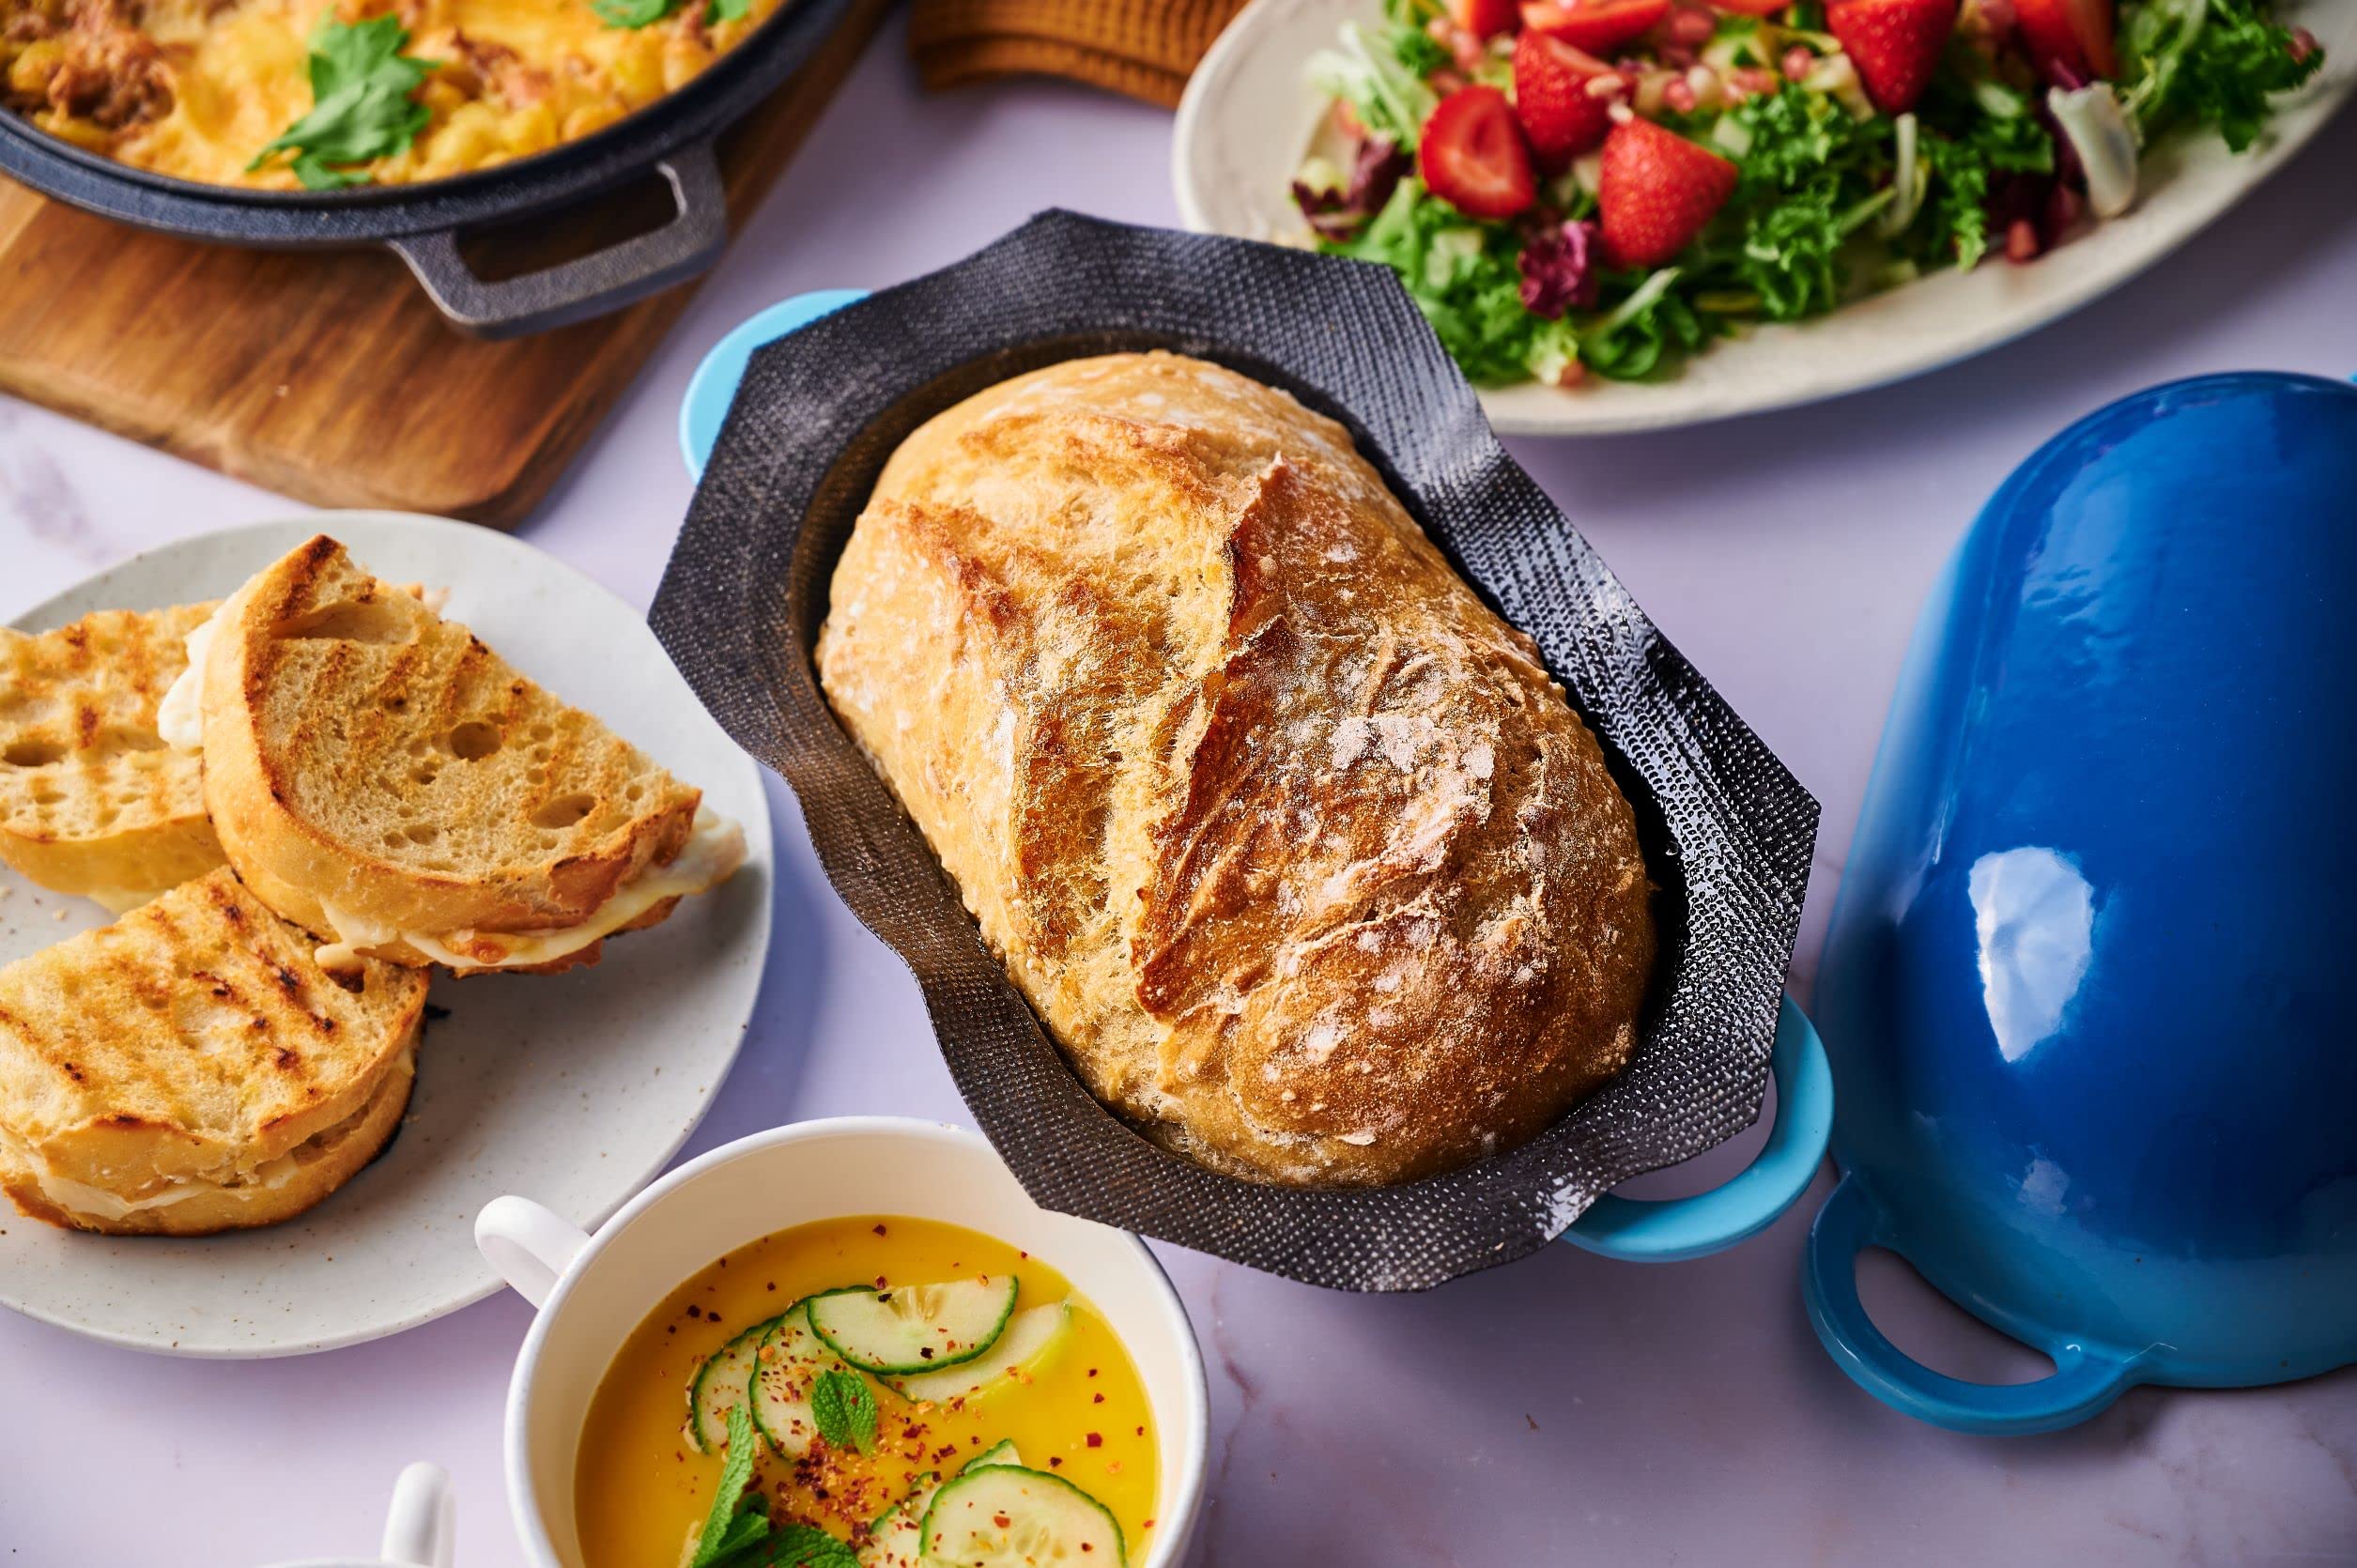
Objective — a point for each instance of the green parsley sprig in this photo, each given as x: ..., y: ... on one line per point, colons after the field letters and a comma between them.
x: 646, y: 13
x: 360, y: 104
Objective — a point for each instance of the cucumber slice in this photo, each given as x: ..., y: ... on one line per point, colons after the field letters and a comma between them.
x: 915, y: 1328
x: 1006, y: 1517
x: 896, y: 1537
x: 1000, y: 1453
x: 720, y: 1386
x: 1031, y: 1335
x: 785, y: 1369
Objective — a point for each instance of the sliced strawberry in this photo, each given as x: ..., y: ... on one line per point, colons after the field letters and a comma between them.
x: 1895, y: 45
x: 1560, y: 115
x: 1472, y: 156
x: 2075, y: 35
x: 1656, y: 192
x: 1599, y: 26
x: 1485, y: 19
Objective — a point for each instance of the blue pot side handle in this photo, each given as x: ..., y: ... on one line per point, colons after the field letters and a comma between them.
x: 2084, y: 1380
x: 713, y: 388
x: 1673, y: 1229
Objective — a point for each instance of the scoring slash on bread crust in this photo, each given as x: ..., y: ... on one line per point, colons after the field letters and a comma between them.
x: 1293, y: 843
x: 190, y: 1068
x: 379, y: 777
x: 92, y: 802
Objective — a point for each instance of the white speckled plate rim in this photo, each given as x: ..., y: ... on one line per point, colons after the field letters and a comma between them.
x: 574, y: 1089
x: 1249, y: 112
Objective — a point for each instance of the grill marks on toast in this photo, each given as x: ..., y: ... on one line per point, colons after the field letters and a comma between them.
x: 403, y: 737
x: 90, y: 797
x: 201, y: 1016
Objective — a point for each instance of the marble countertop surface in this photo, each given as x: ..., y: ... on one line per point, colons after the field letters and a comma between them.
x: 1565, y: 1409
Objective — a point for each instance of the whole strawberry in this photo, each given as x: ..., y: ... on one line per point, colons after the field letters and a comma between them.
x: 1656, y: 192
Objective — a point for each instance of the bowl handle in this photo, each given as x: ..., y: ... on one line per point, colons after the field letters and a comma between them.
x: 421, y: 1525
x: 1640, y: 1231
x: 530, y: 1245
x: 2084, y: 1380
x: 587, y: 286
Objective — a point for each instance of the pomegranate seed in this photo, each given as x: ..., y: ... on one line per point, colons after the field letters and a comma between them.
x: 1679, y: 96
x: 1571, y: 375
x: 1798, y: 59
x: 2021, y: 240
x: 2303, y: 43
x: 1690, y: 26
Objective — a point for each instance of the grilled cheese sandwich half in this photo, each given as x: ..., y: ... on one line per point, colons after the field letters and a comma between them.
x: 380, y: 777
x: 192, y: 1068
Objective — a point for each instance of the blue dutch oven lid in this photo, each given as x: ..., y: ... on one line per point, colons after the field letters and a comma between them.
x: 2084, y: 986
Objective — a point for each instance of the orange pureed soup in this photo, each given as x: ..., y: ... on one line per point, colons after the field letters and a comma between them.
x: 1056, y: 1385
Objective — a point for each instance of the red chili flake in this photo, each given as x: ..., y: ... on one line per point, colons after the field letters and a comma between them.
x: 1001, y: 1520
x: 924, y: 1352
x: 1096, y: 1399
x: 1141, y: 1432
x: 1088, y: 1546
x: 1150, y: 1524
x: 1056, y: 1461
x: 882, y: 1282
x: 1092, y: 1372
x: 879, y: 1229
x: 694, y: 1310
x: 772, y: 1285
x: 1096, y: 1439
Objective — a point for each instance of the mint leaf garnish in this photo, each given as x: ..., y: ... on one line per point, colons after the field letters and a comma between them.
x: 804, y: 1547
x: 361, y: 107
x: 844, y: 1409
x: 727, y: 1531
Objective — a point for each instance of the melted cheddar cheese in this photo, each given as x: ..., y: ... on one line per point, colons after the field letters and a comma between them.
x: 196, y: 88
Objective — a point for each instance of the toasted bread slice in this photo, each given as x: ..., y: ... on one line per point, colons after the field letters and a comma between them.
x: 192, y: 1068
x: 379, y: 777
x: 91, y: 800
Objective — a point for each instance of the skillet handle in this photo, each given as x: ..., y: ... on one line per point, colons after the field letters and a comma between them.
x: 2084, y: 1381
x: 587, y: 286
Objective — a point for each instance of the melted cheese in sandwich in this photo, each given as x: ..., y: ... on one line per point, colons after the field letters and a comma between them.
x: 715, y: 849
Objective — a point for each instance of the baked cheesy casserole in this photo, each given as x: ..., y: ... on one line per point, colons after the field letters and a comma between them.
x: 280, y: 94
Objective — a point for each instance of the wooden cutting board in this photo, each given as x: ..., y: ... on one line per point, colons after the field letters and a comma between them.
x: 330, y: 376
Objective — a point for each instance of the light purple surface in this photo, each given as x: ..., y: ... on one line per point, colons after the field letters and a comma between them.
x: 1563, y: 1411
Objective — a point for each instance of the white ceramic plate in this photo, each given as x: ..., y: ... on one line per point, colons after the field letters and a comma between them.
x: 1249, y: 113
x: 575, y: 1087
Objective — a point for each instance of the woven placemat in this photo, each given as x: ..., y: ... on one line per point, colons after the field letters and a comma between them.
x: 1143, y: 48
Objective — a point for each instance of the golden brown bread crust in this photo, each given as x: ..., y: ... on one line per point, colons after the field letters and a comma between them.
x: 92, y: 802
x: 195, y: 1040
x: 360, y: 749
x: 1293, y: 845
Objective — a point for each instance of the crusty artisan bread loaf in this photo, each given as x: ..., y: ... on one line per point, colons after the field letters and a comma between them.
x: 1293, y: 845
x: 190, y: 1068
x: 363, y: 753
x: 91, y: 800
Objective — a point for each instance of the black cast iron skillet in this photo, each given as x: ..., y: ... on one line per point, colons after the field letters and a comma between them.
x: 672, y: 137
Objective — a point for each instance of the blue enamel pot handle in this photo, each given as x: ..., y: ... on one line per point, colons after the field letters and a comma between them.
x: 1616, y: 1227
x: 2084, y: 1380
x: 1676, y: 1228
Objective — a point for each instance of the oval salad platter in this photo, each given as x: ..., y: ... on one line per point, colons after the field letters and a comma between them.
x: 1250, y: 115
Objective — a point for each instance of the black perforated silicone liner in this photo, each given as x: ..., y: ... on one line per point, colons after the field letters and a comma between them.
x: 1726, y: 830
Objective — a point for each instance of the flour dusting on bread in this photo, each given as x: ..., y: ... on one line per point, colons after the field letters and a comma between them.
x: 1301, y: 856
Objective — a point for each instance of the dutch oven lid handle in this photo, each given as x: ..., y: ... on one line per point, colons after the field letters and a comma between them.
x: 588, y: 286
